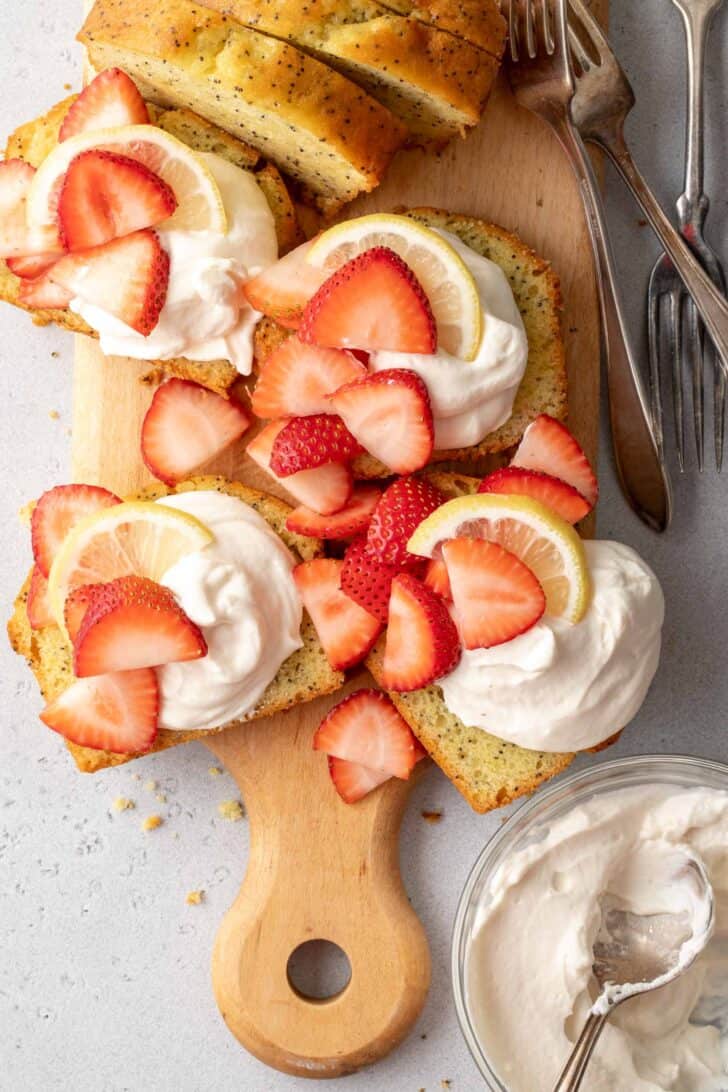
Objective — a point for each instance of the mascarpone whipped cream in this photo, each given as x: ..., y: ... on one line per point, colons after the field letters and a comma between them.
x: 240, y: 592
x: 529, y: 982
x: 470, y: 399
x: 205, y: 315
x: 564, y: 687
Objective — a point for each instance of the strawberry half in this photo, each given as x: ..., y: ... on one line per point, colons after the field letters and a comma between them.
x: 350, y: 520
x: 59, y: 510
x: 422, y: 639
x: 366, y: 728
x: 282, y: 290
x: 110, y: 99
x: 105, y: 196
x: 557, y: 495
x: 37, y: 605
x: 495, y: 596
x: 353, y: 781
x: 548, y: 446
x: 367, y: 580
x: 296, y: 379
x: 132, y: 623
x: 325, y: 489
x: 374, y: 301
x: 127, y: 277
x: 399, y: 513
x: 307, y: 442
x: 116, y: 713
x: 42, y: 293
x: 346, y: 631
x: 437, y: 579
x: 390, y: 415
x: 185, y: 426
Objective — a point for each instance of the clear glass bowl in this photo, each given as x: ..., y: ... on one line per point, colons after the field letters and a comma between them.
x: 527, y: 824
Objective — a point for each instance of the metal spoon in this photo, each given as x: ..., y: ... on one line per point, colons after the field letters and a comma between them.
x: 636, y: 954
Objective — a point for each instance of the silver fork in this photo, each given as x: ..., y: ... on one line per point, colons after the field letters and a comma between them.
x: 541, y: 78
x: 668, y: 305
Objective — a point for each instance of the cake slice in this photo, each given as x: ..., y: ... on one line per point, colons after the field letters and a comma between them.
x: 476, y: 21
x: 313, y: 123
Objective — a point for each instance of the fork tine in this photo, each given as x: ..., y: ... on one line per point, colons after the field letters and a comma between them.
x: 719, y: 399
x: 591, y: 26
x: 695, y: 344
x: 653, y: 330
x: 672, y: 333
x: 582, y: 57
x: 513, y: 39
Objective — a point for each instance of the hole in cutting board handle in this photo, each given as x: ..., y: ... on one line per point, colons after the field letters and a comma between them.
x: 318, y: 970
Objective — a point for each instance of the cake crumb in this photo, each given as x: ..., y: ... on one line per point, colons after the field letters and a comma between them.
x: 161, y: 798
x: 152, y: 822
x: 123, y: 803
x: 67, y: 86
x: 55, y: 354
x: 444, y: 1083
x: 150, y: 786
x: 232, y: 810
x: 432, y: 816
x: 194, y: 898
x: 214, y: 771
x: 54, y: 415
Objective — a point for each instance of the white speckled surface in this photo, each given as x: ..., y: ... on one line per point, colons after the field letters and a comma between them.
x: 104, y: 980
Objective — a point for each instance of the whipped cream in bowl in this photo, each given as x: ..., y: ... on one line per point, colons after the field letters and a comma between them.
x: 240, y: 591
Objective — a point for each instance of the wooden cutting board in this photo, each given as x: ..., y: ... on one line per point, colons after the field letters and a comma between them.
x: 317, y: 868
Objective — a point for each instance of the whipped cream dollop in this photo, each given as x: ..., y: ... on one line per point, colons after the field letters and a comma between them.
x: 528, y: 967
x: 470, y: 399
x: 205, y: 315
x: 239, y: 590
x: 565, y: 687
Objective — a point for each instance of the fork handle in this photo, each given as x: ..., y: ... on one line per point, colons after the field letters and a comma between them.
x: 638, y: 463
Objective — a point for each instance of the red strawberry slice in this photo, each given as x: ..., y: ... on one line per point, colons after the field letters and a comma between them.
x: 346, y: 631
x: 366, y: 728
x: 495, y: 596
x: 548, y: 446
x: 557, y: 495
x: 16, y: 239
x: 353, y: 781
x: 105, y: 196
x: 37, y: 604
x: 42, y: 293
x: 390, y: 415
x: 282, y: 290
x: 57, y: 512
x: 127, y: 277
x: 296, y: 379
x: 32, y: 266
x: 351, y: 519
x: 132, y: 623
x: 75, y: 607
x: 374, y: 301
x: 307, y: 442
x: 185, y: 426
x: 366, y: 580
x: 325, y: 489
x: 422, y: 639
x: 437, y: 579
x: 399, y: 513
x: 116, y: 712
x: 110, y: 99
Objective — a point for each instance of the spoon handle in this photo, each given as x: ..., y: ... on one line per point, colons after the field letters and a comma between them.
x: 574, y: 1070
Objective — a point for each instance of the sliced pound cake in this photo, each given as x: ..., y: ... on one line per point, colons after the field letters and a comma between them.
x: 476, y: 21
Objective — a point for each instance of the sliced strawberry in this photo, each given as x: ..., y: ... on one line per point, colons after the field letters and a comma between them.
x: 366, y: 728
x: 307, y: 442
x: 57, y: 512
x: 16, y: 239
x: 437, y: 579
x: 185, y: 426
x: 346, y: 631
x: 548, y: 446
x: 110, y: 99
x: 374, y: 301
x: 495, y: 596
x: 296, y: 379
x: 422, y: 639
x: 37, y: 605
x: 557, y: 495
x: 366, y: 580
x: 353, y: 781
x: 116, y: 713
x: 390, y: 415
x: 32, y: 266
x: 399, y: 513
x: 105, y: 196
x: 127, y: 277
x: 350, y: 520
x: 75, y: 607
x: 130, y: 623
x: 325, y: 489
x: 42, y: 293
x: 282, y: 290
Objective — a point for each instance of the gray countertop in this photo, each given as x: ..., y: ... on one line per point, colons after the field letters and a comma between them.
x: 104, y: 968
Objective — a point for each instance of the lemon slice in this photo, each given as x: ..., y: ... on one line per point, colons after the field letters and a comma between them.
x: 446, y: 279
x: 542, y: 540
x: 199, y: 203
x: 138, y: 537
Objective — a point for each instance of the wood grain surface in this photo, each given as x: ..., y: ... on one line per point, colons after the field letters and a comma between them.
x: 317, y: 868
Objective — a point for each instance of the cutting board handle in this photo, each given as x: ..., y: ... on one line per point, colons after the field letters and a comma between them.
x: 319, y: 869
